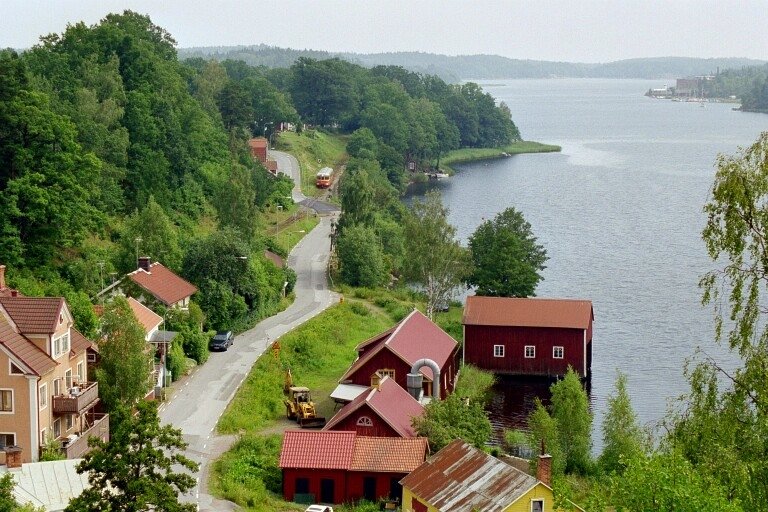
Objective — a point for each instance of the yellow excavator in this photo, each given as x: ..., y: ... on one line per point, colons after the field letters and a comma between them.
x: 299, y: 405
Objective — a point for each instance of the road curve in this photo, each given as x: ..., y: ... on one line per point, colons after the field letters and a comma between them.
x: 200, y: 400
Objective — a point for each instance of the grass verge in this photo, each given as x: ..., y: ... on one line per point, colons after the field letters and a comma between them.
x: 516, y: 148
x: 314, y: 149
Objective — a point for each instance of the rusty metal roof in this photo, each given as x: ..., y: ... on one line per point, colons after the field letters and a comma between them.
x: 461, y: 478
x: 163, y: 284
x: 528, y: 312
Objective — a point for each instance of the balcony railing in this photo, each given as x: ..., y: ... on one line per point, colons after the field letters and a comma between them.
x: 77, y: 399
x: 99, y: 427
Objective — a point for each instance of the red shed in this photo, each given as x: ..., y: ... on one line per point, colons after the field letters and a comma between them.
x: 394, y: 351
x: 386, y: 410
x: 258, y: 147
x: 528, y: 336
x: 336, y: 467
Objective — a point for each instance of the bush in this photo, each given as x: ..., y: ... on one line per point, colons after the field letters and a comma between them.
x: 175, y: 360
x: 359, y: 309
x: 195, y: 344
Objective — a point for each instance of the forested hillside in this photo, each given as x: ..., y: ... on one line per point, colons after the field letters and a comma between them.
x: 112, y: 148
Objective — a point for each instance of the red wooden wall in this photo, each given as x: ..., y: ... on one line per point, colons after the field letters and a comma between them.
x: 348, y: 485
x: 379, y: 429
x: 479, y: 342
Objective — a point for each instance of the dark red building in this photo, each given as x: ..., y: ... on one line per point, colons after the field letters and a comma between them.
x: 258, y: 147
x: 337, y: 467
x: 393, y: 352
x: 528, y: 336
x: 386, y: 410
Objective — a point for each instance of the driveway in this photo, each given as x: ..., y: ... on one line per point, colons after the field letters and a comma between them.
x: 201, y: 399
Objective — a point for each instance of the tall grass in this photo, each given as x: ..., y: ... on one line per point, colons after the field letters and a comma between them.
x: 314, y: 149
x: 472, y: 154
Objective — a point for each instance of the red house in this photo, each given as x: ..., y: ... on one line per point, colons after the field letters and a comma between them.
x: 393, y: 352
x: 385, y: 411
x: 336, y: 467
x: 258, y: 147
x: 528, y: 336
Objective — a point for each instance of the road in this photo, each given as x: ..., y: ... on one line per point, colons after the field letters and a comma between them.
x: 201, y: 399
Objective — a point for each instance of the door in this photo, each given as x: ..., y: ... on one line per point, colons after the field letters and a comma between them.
x: 327, y: 490
x: 395, y: 489
x: 369, y: 488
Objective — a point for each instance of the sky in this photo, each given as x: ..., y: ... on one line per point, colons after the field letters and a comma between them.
x: 560, y: 30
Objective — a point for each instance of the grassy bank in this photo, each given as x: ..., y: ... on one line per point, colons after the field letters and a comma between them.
x: 314, y: 149
x: 516, y: 148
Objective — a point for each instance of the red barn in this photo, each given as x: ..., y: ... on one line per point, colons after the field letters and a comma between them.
x: 529, y: 336
x: 386, y: 410
x: 393, y: 352
x: 336, y: 467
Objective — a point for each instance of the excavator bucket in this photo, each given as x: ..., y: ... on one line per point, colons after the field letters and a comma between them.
x: 316, y: 422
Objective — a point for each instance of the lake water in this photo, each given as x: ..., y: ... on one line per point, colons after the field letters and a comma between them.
x: 619, y: 211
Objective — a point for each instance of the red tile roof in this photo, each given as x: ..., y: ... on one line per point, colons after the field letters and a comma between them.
x: 388, y: 454
x: 322, y: 449
x: 163, y: 284
x: 415, y: 337
x: 34, y: 315
x: 347, y: 451
x: 394, y: 405
x: 462, y: 478
x: 78, y: 343
x: 146, y: 317
x: 528, y: 312
x: 23, y: 349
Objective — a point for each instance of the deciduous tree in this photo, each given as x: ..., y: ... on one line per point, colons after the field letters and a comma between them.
x: 570, y: 409
x: 453, y: 418
x: 623, y: 439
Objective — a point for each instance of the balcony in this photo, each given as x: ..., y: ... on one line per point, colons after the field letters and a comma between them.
x: 74, y: 448
x: 77, y: 399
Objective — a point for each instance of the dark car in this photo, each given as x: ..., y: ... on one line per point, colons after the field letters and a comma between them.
x: 222, y: 340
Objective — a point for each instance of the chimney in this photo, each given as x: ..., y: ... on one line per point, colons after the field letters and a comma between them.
x: 376, y: 381
x: 144, y: 262
x: 544, y: 467
x: 2, y: 277
x: 14, y: 293
x: 13, y: 457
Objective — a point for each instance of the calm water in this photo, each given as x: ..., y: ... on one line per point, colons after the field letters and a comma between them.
x: 620, y: 214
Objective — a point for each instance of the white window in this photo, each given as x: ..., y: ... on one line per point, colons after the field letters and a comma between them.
x: 6, y: 401
x: 14, y: 370
x: 43, y: 396
x: 530, y: 351
x: 498, y: 351
x: 7, y: 439
x: 537, y: 505
x: 56, y: 428
x: 56, y: 387
x: 43, y: 436
x: 364, y: 421
x: 387, y: 372
x: 69, y: 421
x: 557, y: 352
x: 61, y: 345
x: 91, y: 357
x: 80, y: 377
x: 68, y: 379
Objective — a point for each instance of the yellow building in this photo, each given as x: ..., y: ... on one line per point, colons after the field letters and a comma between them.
x: 461, y: 478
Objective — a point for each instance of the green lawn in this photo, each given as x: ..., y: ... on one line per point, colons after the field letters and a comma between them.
x: 471, y: 154
x: 314, y: 149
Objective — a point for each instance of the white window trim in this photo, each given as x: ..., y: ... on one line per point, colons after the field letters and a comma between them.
x: 387, y: 372
x: 53, y: 428
x: 9, y: 434
x: 13, y: 403
x: 11, y: 364
x: 69, y: 419
x: 61, y: 349
x: 43, y: 397
x: 81, y: 373
x: 554, y: 352
x: 68, y: 379
x: 525, y: 352
x: 539, y: 500
x: 364, y: 421
x: 497, y: 353
x: 43, y: 435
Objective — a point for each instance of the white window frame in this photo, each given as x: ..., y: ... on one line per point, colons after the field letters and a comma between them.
x: 57, y: 423
x: 69, y: 423
x: 43, y: 436
x: 80, y: 373
x: 13, y: 408
x: 364, y: 421
x: 386, y: 372
x: 68, y: 379
x: 555, y: 351
x: 60, y: 345
x: 537, y: 500
x: 532, y: 352
x: 9, y: 434
x: 43, y: 396
x: 57, y: 386
x: 497, y: 352
x: 11, y: 365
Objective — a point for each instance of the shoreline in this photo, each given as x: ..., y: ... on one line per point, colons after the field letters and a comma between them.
x: 464, y: 155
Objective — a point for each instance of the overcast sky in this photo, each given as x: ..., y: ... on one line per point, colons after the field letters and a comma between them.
x: 566, y: 30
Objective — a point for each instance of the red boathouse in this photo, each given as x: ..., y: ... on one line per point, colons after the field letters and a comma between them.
x: 528, y: 336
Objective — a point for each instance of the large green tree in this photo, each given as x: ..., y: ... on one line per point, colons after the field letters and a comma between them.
x: 453, y: 418
x: 138, y: 469
x: 361, y: 257
x: 507, y: 260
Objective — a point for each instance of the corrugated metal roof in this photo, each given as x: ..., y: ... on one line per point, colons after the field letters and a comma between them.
x: 163, y: 284
x: 34, y: 315
x: 528, y: 312
x: 388, y: 454
x: 348, y: 392
x: 394, y: 405
x: 146, y: 317
x: 461, y: 478
x: 50, y: 485
x: 414, y: 337
x: 324, y: 449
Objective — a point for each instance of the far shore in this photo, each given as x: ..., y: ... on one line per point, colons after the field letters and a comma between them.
x: 472, y: 154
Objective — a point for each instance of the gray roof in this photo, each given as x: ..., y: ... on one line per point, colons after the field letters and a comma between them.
x: 162, y: 336
x: 48, y: 484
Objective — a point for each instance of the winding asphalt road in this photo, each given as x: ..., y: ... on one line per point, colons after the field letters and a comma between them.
x: 200, y: 399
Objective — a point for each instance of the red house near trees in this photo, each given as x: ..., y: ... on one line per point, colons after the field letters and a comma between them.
x: 393, y: 352
x: 336, y: 467
x: 386, y: 410
x: 528, y: 336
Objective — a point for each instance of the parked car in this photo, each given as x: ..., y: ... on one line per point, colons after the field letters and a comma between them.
x: 222, y: 340
x: 319, y: 508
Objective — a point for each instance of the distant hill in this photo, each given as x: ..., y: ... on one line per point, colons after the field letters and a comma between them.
x: 455, y: 68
